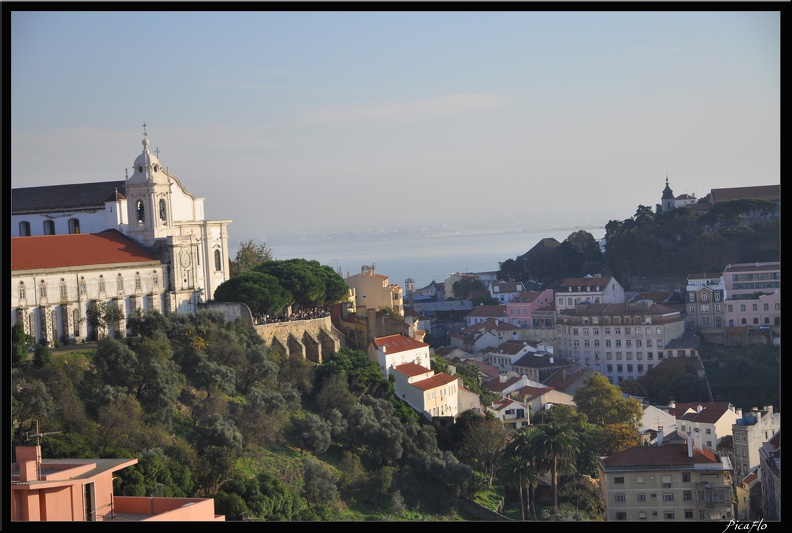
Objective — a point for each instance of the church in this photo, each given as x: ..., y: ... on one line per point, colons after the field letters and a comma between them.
x: 138, y: 243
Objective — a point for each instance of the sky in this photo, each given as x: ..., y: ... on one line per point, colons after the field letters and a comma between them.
x: 309, y: 121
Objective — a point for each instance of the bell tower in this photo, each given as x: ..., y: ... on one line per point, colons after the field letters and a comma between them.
x: 149, y: 204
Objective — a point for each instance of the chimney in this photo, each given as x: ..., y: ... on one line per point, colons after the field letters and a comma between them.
x: 690, y: 445
x: 660, y: 435
x: 768, y: 409
x: 551, y: 359
x: 739, y: 412
x: 698, y: 408
x: 697, y: 438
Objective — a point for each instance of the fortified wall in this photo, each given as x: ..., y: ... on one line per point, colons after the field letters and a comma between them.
x: 310, y: 339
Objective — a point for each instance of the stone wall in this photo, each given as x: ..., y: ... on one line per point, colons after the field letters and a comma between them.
x: 310, y: 339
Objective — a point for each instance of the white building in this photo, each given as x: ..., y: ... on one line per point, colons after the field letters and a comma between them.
x: 153, y: 209
x: 394, y: 350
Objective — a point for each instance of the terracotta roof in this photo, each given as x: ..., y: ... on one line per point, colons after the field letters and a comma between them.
x: 57, y: 251
x: 438, y: 380
x: 679, y: 408
x: 411, y: 369
x: 397, y: 343
x: 663, y: 456
x: 532, y: 392
x: 602, y: 282
x: 753, y: 267
x: 497, y: 386
x: 759, y: 192
x: 65, y: 197
x: 488, y: 310
x: 563, y: 379
x: 502, y: 404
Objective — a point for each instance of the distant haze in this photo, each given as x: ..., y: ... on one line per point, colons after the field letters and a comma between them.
x: 327, y: 121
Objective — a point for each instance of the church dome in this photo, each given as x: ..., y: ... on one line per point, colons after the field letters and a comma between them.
x: 147, y: 167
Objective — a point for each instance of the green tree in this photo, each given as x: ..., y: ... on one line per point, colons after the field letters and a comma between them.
x: 42, y: 355
x: 463, y: 287
x: 603, y: 403
x: 262, y: 293
x: 19, y: 343
x: 554, y: 443
x: 310, y: 432
x: 249, y: 255
x: 521, y: 467
x: 483, y: 444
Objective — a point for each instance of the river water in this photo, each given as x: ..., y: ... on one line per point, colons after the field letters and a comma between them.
x: 425, y: 259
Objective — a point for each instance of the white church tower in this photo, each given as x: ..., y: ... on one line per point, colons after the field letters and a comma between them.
x: 167, y: 219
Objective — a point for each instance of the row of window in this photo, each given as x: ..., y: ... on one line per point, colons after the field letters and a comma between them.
x: 666, y: 479
x: 63, y: 287
x: 49, y: 227
x: 716, y: 296
x: 618, y: 344
x: 667, y: 515
x: 616, y: 331
x: 621, y: 497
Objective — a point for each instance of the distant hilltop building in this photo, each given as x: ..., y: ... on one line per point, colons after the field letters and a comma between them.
x: 138, y: 243
x: 770, y: 193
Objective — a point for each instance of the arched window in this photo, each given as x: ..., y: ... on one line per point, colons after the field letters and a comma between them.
x: 22, y: 290
x: 64, y: 294
x: 43, y: 289
x: 120, y: 283
x: 76, y: 322
x: 24, y: 229
x: 218, y: 260
x: 49, y: 227
x: 141, y: 212
x: 163, y: 211
x: 74, y: 225
x: 101, y: 284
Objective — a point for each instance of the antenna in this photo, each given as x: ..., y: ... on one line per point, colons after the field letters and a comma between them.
x: 38, y: 434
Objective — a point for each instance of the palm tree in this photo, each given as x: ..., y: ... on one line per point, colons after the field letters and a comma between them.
x: 522, y: 468
x: 552, y: 443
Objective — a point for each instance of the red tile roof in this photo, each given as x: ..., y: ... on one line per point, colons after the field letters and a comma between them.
x: 411, y: 369
x: 438, y: 380
x: 649, y: 456
x: 58, y: 251
x: 398, y: 343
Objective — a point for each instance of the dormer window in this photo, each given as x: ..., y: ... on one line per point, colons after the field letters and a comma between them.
x: 140, y: 169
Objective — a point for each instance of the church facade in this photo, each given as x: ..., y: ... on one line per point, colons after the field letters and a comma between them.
x: 161, y: 224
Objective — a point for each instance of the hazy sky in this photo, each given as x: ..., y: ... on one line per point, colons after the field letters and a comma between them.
x: 290, y: 121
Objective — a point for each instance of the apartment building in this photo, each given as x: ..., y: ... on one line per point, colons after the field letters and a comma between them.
x: 592, y: 289
x: 520, y: 309
x: 667, y: 483
x: 620, y: 341
x: 713, y: 420
x: 373, y: 291
x: 705, y: 295
x: 393, y: 350
x: 428, y: 393
x: 754, y: 294
x: 81, y: 490
x: 749, y: 432
x: 770, y: 475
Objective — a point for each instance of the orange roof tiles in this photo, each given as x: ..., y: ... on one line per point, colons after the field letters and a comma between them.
x: 59, y: 251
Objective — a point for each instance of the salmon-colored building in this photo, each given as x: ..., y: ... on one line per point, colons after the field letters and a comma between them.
x: 81, y: 490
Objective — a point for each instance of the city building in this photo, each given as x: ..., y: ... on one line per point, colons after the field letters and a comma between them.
x: 705, y: 300
x: 749, y: 432
x: 520, y: 309
x: 430, y: 394
x: 81, y: 490
x: 668, y: 482
x: 60, y: 280
x: 512, y: 413
x: 150, y: 207
x: 374, y: 291
x: 714, y: 420
x: 589, y: 289
x: 393, y: 350
x: 482, y: 313
x: 770, y: 476
x: 504, y: 291
x: 620, y: 341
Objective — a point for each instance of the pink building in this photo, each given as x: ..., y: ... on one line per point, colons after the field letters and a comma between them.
x: 81, y: 490
x: 520, y: 309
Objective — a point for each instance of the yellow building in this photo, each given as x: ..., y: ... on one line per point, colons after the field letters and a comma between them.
x: 671, y: 482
